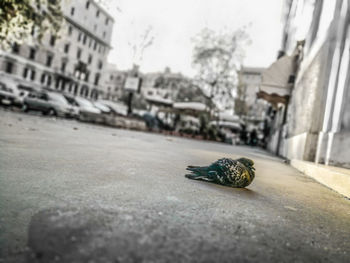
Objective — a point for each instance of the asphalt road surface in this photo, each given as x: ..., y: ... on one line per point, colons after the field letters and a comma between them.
x: 75, y: 192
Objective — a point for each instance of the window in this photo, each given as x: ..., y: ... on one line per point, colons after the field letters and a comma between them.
x: 43, y: 77
x: 15, y: 48
x: 46, y: 79
x: 97, y: 78
x: 49, y: 60
x: 76, y: 73
x: 29, y: 73
x: 90, y: 42
x: 104, y: 34
x: 63, y: 65
x: 25, y: 73
x: 79, y: 53
x: 70, y: 30
x: 95, y: 46
x: 100, y: 64
x: 79, y: 37
x: 84, y: 39
x: 52, y: 40
x: 90, y: 59
x: 107, y: 20
x: 32, y: 53
x: 58, y: 83
x: 98, y: 13
x: 72, y: 11
x: 82, y: 75
x: 9, y: 67
x: 87, y: 77
x: 291, y: 79
x: 87, y: 4
x: 32, y: 76
x: 66, y: 48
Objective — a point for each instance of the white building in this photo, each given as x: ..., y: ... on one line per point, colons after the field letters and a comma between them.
x: 250, y: 81
x: 165, y: 85
x: 74, y: 62
x: 311, y: 83
x: 114, y: 82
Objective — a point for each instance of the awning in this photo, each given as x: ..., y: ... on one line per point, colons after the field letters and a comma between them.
x: 227, y: 124
x: 277, y: 80
x: 195, y: 106
x: 228, y: 117
x: 159, y: 100
x: 274, y: 99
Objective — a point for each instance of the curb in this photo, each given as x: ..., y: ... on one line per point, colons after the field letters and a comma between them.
x: 335, y: 178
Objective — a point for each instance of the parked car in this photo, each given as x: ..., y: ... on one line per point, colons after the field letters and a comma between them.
x: 87, y: 111
x: 116, y: 107
x: 8, y: 93
x: 50, y: 103
x: 86, y: 106
x: 19, y: 99
x: 71, y: 101
x: 103, y: 108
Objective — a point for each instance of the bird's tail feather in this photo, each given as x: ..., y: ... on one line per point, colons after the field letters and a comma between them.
x: 198, y: 177
x: 198, y: 169
x: 198, y: 172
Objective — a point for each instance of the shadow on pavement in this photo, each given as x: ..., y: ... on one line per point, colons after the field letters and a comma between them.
x: 241, y: 192
x: 145, y: 235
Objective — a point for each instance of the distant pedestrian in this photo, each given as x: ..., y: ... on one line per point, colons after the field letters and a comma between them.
x: 253, y: 138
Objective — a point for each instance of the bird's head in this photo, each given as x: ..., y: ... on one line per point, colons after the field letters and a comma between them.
x: 249, y: 164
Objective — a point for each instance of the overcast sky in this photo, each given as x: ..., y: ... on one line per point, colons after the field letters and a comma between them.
x: 175, y: 22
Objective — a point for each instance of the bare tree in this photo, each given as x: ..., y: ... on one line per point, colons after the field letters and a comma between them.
x: 216, y: 57
x: 140, y: 43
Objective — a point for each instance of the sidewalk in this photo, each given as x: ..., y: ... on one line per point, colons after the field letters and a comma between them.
x: 335, y: 178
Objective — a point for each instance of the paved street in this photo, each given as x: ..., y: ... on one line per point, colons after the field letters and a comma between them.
x: 74, y: 192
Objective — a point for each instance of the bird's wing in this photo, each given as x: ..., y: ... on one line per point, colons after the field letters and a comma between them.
x: 200, y: 173
x: 224, y: 166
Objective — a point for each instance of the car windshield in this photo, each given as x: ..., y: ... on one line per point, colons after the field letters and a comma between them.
x: 33, y: 95
x: 58, y: 97
x: 84, y: 102
x: 71, y: 101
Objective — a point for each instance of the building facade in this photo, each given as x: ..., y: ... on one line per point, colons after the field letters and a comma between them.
x: 247, y: 102
x: 165, y: 85
x: 114, y: 81
x: 316, y: 123
x: 74, y: 62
